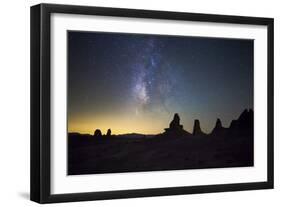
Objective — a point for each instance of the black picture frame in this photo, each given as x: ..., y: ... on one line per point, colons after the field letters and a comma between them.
x: 41, y: 95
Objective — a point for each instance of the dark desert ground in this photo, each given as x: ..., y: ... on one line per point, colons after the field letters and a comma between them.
x: 175, y: 149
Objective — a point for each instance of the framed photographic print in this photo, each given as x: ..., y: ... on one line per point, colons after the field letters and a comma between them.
x: 132, y: 103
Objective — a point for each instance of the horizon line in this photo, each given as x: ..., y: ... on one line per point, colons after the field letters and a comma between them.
x: 127, y: 133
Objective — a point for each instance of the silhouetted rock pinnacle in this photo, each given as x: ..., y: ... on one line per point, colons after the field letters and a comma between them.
x: 218, y: 129
x: 175, y: 128
x: 175, y: 123
x: 218, y: 124
x: 108, y: 133
x: 233, y: 124
x: 244, y: 124
x: 196, y: 128
x: 243, y: 116
x: 97, y: 133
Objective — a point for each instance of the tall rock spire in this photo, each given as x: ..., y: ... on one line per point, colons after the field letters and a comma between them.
x: 175, y: 128
x: 218, y: 124
x: 196, y: 128
x: 218, y: 129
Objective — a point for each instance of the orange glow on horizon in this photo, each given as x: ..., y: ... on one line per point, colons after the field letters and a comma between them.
x: 120, y: 126
x: 125, y: 125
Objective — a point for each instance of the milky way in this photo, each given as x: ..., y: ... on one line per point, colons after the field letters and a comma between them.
x: 126, y: 82
x: 144, y: 74
x: 151, y: 78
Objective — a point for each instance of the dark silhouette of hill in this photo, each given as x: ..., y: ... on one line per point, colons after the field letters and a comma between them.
x: 135, y: 135
x: 174, y: 149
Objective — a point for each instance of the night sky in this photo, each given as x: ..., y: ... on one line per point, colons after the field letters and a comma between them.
x: 135, y: 83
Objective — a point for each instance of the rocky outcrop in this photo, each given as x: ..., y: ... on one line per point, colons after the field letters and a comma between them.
x: 246, y: 119
x: 196, y: 128
x: 244, y: 122
x: 175, y: 123
x: 218, y: 129
x: 97, y: 133
x: 233, y: 124
x: 108, y: 133
x: 218, y: 125
x: 175, y: 128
